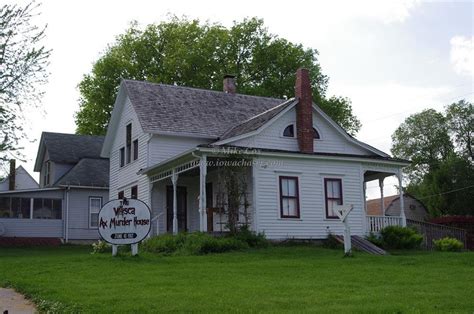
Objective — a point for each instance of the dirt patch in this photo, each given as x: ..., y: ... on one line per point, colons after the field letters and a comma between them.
x: 14, y: 303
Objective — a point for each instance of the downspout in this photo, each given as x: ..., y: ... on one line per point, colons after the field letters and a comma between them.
x: 67, y: 213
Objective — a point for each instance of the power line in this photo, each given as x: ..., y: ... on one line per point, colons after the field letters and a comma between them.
x: 448, y: 192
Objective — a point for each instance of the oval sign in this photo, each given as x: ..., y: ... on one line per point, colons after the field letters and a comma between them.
x: 126, y: 221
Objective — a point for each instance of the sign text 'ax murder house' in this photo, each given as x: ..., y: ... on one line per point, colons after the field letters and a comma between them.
x: 124, y: 221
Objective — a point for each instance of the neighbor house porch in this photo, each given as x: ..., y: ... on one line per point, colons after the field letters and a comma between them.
x: 378, y: 173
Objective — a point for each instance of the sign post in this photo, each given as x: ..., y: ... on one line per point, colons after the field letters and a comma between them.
x: 123, y: 222
x: 342, y: 212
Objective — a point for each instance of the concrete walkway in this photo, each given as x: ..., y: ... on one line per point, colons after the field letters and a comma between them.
x: 14, y: 303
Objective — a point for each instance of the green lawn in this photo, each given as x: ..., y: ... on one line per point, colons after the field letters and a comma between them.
x: 278, y: 279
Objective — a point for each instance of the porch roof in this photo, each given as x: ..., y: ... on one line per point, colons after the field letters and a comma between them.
x: 193, y: 155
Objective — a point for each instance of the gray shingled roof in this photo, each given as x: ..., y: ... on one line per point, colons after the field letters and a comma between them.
x: 175, y: 109
x: 87, y: 172
x: 70, y: 148
x: 257, y: 121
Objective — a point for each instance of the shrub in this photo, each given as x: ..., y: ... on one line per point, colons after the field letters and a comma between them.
x: 377, y: 240
x: 256, y: 240
x: 165, y: 244
x: 100, y: 247
x: 192, y: 244
x: 332, y: 243
x: 448, y: 244
x: 396, y: 237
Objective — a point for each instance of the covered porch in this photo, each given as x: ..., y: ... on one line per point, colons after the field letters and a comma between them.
x: 188, y: 194
x: 378, y: 173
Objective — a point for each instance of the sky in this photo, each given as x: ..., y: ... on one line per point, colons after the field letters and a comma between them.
x: 392, y: 58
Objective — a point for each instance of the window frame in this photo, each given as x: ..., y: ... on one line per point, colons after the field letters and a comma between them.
x: 47, y: 173
x: 316, y: 132
x: 297, y: 196
x: 294, y: 131
x: 135, y: 187
x: 135, y: 149
x: 128, y: 143
x: 326, y: 198
x: 122, y: 157
x: 90, y: 213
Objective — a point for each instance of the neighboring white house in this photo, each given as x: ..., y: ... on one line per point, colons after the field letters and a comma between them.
x: 18, y: 179
x: 165, y: 144
x: 73, y: 186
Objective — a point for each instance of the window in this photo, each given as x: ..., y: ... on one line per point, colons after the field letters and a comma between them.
x: 47, y: 173
x: 289, y: 131
x: 122, y: 156
x: 289, y: 197
x: 5, y: 207
x: 134, y: 192
x: 95, y: 204
x: 333, y: 195
x: 120, y: 195
x: 316, y: 134
x: 47, y: 208
x: 135, y: 149
x: 20, y: 207
x: 129, y: 142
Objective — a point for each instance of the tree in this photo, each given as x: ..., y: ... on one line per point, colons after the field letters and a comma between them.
x: 447, y: 190
x: 186, y: 52
x: 460, y: 117
x: 423, y: 138
x: 23, y: 62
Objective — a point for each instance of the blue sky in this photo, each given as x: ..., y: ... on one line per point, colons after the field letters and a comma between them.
x: 392, y: 58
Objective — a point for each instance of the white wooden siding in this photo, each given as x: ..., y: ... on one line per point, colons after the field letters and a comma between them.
x: 22, y: 181
x: 123, y: 178
x: 79, y: 213
x: 272, y: 137
x: 41, y: 228
x: 164, y: 147
x: 312, y: 222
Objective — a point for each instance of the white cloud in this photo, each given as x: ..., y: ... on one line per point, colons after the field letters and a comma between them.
x: 462, y: 54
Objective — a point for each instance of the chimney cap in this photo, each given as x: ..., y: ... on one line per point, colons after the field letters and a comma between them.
x: 229, y: 76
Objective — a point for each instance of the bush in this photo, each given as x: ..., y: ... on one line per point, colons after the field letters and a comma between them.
x: 192, y: 244
x: 100, y: 247
x: 165, y: 244
x: 396, y: 237
x: 256, y: 240
x: 372, y: 237
x: 448, y: 244
x: 332, y: 243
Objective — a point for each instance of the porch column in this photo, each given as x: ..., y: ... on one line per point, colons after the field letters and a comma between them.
x: 174, y: 180
x: 382, y: 204
x: 402, y: 201
x: 364, y: 191
x: 202, y: 194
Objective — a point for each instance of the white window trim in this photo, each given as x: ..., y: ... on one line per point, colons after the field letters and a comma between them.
x: 289, y: 173
x: 90, y: 212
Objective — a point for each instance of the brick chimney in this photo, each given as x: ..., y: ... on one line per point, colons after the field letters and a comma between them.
x: 229, y: 84
x: 12, y: 175
x: 304, y: 111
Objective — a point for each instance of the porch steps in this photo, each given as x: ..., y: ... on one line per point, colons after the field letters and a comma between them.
x: 363, y: 245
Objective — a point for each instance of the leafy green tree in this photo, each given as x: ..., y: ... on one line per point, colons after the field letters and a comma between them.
x: 23, y: 62
x: 189, y: 53
x: 460, y: 118
x: 422, y: 138
x: 447, y: 190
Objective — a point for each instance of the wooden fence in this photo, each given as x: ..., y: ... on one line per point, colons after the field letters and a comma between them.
x: 432, y: 232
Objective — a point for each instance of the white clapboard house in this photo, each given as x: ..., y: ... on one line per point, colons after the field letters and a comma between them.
x: 166, y: 146
x: 64, y: 206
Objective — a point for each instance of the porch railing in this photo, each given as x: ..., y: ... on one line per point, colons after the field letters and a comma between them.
x: 377, y: 223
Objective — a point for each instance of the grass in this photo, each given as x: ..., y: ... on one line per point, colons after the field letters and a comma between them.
x: 276, y: 279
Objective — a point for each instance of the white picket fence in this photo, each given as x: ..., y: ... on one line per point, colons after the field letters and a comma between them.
x: 377, y: 223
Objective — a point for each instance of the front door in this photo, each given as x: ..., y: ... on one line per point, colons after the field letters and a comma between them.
x: 181, y: 196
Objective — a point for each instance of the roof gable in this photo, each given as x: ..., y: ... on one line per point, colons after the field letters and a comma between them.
x: 68, y: 148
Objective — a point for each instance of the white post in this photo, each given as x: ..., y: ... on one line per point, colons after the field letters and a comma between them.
x: 402, y: 201
x: 202, y: 194
x: 347, y: 237
x: 364, y: 191
x: 174, y: 180
x: 134, y: 249
x: 382, y: 205
x: 114, y: 249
